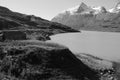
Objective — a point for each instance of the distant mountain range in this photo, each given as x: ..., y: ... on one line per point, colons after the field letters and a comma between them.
x: 90, y: 18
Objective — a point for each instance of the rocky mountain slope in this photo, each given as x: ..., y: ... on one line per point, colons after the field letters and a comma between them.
x: 34, y: 27
x: 84, y: 17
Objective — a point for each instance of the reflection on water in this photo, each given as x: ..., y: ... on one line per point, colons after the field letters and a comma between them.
x: 102, y: 44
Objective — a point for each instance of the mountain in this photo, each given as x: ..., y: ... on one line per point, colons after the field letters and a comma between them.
x: 83, y: 17
x: 33, y: 26
x: 82, y: 8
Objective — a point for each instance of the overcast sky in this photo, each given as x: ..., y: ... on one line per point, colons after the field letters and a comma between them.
x: 49, y: 8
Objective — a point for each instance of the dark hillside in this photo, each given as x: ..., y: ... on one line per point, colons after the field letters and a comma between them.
x: 41, y: 61
x: 15, y: 20
x: 34, y: 27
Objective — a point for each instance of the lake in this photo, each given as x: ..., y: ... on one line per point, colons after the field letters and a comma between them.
x: 105, y: 45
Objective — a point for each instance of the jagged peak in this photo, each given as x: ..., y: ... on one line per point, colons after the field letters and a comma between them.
x: 83, y: 4
x: 103, y: 9
x: 116, y: 9
x: 78, y: 9
x: 85, y: 9
x: 100, y: 9
x: 82, y: 7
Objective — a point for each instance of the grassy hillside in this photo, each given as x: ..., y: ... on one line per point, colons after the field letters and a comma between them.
x: 34, y: 27
x: 14, y: 20
x: 35, y: 60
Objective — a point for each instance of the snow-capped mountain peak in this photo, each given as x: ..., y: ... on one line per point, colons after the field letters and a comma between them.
x: 114, y: 10
x: 83, y: 7
x: 78, y: 9
x: 83, y: 16
x: 100, y: 9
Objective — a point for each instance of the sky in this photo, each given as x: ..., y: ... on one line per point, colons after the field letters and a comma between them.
x: 47, y: 9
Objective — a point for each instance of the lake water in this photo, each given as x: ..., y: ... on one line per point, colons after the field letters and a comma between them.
x: 105, y: 45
